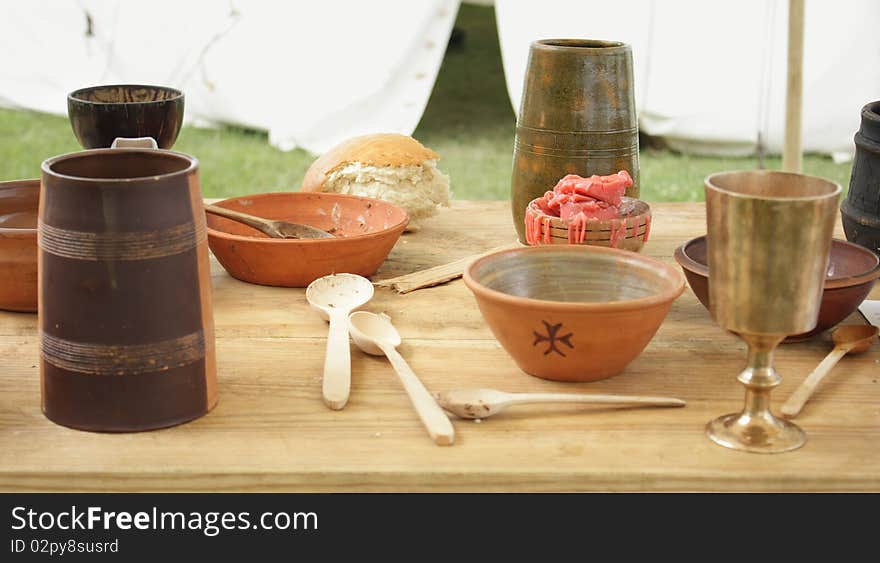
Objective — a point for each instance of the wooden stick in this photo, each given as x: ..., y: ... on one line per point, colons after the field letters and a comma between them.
x: 336, y: 385
x: 265, y: 226
x: 634, y: 400
x: 433, y: 418
x: 792, y: 407
x: 792, y: 154
x: 436, y: 275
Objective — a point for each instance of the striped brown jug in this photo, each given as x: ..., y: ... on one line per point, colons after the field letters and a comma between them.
x: 125, y: 316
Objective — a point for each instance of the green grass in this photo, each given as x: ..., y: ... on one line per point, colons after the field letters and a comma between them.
x: 468, y: 121
x: 669, y: 176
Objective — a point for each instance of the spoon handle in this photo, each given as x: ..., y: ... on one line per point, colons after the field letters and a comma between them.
x: 337, y: 363
x: 435, y: 420
x: 262, y: 225
x: 792, y: 407
x: 522, y: 398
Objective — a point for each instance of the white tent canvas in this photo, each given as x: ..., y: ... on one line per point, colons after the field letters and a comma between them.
x: 311, y: 74
x: 710, y: 76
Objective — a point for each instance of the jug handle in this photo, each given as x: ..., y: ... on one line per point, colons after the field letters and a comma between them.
x: 134, y: 143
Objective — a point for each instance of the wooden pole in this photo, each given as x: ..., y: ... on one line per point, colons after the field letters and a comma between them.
x: 792, y: 154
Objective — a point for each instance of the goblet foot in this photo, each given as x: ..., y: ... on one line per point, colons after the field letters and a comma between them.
x: 760, y: 434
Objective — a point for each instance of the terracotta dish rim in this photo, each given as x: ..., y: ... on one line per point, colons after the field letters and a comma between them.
x: 245, y: 238
x: 685, y: 261
x: 19, y: 232
x: 666, y: 296
x: 74, y: 95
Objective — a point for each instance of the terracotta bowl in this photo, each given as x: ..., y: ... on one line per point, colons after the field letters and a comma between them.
x: 852, y: 272
x: 629, y: 232
x: 101, y: 113
x: 573, y: 313
x: 19, y: 203
x: 366, y: 231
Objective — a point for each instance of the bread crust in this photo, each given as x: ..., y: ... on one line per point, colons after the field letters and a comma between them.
x: 382, y: 149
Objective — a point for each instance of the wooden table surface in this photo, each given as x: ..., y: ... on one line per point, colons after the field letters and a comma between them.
x: 271, y: 430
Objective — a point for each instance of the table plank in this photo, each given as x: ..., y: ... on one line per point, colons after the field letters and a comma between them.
x: 271, y: 431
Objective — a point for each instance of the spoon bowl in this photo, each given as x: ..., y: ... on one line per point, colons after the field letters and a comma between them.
x: 473, y: 403
x: 368, y: 328
x: 859, y: 337
x: 338, y: 292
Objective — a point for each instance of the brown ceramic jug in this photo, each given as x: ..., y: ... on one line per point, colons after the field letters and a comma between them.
x: 860, y: 210
x: 577, y: 116
x: 125, y: 316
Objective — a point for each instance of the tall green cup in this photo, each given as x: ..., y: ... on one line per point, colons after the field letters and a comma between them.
x: 577, y: 116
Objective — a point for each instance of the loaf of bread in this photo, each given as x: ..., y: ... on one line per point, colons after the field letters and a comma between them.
x: 388, y: 166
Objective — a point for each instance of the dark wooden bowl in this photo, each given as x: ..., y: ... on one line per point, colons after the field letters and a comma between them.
x: 99, y: 114
x: 852, y: 272
x: 19, y: 200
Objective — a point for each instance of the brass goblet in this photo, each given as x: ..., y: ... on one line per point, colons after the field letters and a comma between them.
x: 769, y: 236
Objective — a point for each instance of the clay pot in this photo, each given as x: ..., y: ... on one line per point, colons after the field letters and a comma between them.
x: 366, y: 230
x: 577, y: 116
x: 19, y: 201
x: 126, y: 321
x: 100, y: 114
x: 852, y: 272
x: 573, y: 313
x: 860, y: 211
x: 628, y: 232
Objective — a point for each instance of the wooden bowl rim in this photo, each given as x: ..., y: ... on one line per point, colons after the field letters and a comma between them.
x: 74, y: 96
x: 666, y: 296
x: 399, y: 226
x: 685, y: 261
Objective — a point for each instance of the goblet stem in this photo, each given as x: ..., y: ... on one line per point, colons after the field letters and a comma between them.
x: 755, y: 429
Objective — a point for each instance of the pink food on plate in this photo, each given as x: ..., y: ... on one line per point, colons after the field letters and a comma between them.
x: 577, y: 201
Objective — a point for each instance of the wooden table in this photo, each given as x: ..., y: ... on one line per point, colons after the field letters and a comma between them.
x: 271, y: 430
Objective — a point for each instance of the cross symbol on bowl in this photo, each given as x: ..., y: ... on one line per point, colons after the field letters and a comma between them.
x: 552, y: 337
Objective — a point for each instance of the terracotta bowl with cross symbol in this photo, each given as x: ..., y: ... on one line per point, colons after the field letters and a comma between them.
x: 573, y: 313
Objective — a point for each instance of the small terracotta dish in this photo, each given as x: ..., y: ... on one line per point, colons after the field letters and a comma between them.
x: 629, y: 232
x: 19, y: 202
x: 573, y: 312
x: 101, y: 113
x: 366, y: 231
x: 852, y: 272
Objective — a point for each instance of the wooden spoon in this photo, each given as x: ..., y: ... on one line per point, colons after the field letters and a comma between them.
x: 272, y: 228
x: 375, y: 335
x: 482, y: 403
x: 334, y: 297
x: 849, y: 339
